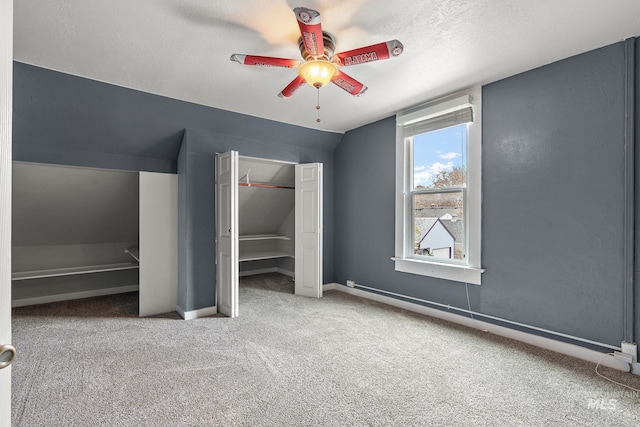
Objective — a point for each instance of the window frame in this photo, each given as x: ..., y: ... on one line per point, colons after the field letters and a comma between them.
x: 470, y: 270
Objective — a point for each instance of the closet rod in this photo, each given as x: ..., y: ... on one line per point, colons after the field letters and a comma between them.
x: 255, y: 184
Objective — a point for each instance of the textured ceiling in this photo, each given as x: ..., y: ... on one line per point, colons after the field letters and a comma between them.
x: 181, y: 48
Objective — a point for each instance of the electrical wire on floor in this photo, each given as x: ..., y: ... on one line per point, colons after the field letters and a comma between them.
x: 475, y: 324
x: 609, y: 379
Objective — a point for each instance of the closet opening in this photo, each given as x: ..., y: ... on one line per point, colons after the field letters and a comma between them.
x: 73, y: 233
x: 269, y: 223
x: 266, y: 217
x: 79, y: 232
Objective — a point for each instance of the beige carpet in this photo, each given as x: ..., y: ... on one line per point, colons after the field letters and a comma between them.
x: 293, y: 361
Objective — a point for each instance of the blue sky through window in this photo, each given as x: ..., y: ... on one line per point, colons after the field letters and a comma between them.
x: 437, y: 151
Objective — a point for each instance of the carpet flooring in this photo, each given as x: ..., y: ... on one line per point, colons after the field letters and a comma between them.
x: 294, y: 361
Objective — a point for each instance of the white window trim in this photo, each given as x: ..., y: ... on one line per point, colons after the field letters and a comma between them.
x: 471, y: 271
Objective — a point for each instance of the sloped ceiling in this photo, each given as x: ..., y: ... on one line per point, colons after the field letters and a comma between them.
x: 264, y: 210
x: 181, y: 48
x: 82, y: 206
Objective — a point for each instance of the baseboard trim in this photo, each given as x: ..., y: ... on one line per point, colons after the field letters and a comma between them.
x: 285, y: 272
x: 267, y: 270
x: 195, y: 314
x: 329, y: 287
x: 45, y: 299
x: 536, y: 340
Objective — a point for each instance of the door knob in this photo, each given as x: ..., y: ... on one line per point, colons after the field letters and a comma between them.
x: 7, y: 355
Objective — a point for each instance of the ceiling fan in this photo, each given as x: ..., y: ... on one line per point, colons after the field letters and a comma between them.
x: 320, y: 64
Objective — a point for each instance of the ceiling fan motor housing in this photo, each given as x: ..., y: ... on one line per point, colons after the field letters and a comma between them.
x: 329, y: 41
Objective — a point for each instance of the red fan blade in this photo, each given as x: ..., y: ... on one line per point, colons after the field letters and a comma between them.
x: 311, y: 30
x: 375, y: 52
x: 348, y: 83
x: 292, y: 87
x: 264, y: 61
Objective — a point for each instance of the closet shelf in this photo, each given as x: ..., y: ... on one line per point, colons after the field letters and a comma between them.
x: 256, y: 256
x: 263, y: 237
x: 71, y: 271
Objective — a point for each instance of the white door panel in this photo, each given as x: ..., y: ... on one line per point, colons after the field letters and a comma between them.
x: 308, y: 235
x: 227, y: 233
x: 158, y: 243
x: 6, y: 87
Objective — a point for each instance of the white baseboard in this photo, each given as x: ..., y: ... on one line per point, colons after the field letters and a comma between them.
x: 329, y: 287
x: 72, y: 295
x: 285, y: 272
x: 195, y: 314
x: 210, y: 311
x: 536, y: 340
x: 267, y: 270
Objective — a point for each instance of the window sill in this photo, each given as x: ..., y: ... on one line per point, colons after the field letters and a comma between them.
x: 458, y: 273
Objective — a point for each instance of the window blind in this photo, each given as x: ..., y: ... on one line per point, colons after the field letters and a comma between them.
x: 451, y: 118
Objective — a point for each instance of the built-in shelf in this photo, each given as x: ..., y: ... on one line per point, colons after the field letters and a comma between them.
x: 71, y: 271
x: 256, y: 256
x: 44, y: 299
x: 263, y: 237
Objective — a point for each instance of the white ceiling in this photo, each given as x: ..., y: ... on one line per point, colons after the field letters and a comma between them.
x: 181, y: 48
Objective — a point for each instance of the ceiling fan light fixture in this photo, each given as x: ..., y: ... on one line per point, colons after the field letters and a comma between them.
x: 317, y: 72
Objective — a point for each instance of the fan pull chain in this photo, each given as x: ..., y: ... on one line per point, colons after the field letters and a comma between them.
x: 318, y: 106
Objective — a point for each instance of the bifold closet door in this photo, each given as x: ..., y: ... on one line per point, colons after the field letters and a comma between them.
x: 158, y: 243
x: 227, y: 269
x: 308, y: 234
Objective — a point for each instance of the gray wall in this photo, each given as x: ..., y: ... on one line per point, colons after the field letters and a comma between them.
x: 554, y: 196
x: 553, y: 202
x: 64, y: 119
x: 636, y: 276
x: 68, y: 120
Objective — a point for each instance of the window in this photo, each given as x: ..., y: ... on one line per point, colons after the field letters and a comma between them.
x: 438, y: 189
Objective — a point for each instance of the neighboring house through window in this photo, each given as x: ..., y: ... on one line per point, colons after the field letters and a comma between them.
x: 433, y: 238
x: 438, y: 189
